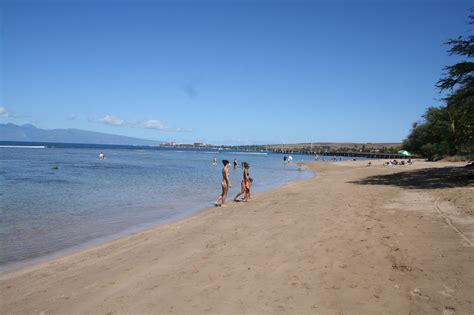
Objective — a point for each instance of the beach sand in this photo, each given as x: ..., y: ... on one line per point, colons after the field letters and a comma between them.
x: 352, y: 240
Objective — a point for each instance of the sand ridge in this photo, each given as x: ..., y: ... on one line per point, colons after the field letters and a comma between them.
x: 352, y: 240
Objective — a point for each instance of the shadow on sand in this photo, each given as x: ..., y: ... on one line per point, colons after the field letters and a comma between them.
x: 427, y: 178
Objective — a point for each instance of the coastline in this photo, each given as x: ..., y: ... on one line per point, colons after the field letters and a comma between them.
x: 93, y: 243
x: 351, y: 239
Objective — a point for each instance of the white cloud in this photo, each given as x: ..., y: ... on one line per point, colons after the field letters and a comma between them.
x: 8, y: 114
x: 72, y: 116
x: 144, y: 124
x: 152, y: 124
x: 3, y: 112
x: 183, y: 130
x: 111, y: 120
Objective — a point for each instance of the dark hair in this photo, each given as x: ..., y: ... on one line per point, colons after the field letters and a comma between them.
x: 225, y: 162
x: 250, y: 179
x: 245, y: 164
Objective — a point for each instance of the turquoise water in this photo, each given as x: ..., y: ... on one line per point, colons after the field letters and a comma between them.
x: 54, y: 199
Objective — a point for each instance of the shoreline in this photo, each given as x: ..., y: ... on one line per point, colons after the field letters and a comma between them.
x: 93, y: 243
x: 325, y: 244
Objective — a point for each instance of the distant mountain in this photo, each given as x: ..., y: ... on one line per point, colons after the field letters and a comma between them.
x: 30, y: 133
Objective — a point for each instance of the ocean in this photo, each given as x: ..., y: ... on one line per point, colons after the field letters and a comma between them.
x: 54, y: 200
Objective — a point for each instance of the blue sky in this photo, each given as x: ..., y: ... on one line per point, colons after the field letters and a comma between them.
x: 226, y: 72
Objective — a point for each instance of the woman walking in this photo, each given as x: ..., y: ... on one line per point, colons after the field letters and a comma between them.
x: 246, y: 183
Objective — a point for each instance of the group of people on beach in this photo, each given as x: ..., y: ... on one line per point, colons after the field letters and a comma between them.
x: 395, y: 162
x: 333, y: 158
x: 245, y: 185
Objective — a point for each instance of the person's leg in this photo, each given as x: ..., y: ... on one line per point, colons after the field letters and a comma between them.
x: 242, y: 190
x: 219, y: 200
x: 224, y: 196
x: 238, y: 195
x: 247, y: 195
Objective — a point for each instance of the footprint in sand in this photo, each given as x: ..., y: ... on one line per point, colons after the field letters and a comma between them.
x: 449, y: 310
x: 417, y: 293
x: 447, y: 291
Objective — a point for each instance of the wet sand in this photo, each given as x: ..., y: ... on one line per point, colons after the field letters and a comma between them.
x: 353, y: 240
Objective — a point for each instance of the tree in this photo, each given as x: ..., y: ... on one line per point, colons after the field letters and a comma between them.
x: 432, y: 136
x: 459, y: 80
x: 449, y: 129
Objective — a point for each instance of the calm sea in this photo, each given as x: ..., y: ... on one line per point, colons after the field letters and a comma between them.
x: 58, y: 199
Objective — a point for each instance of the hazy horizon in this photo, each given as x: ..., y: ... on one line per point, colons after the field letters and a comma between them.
x: 214, y: 144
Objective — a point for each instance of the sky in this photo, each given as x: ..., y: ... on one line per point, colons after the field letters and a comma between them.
x: 227, y: 72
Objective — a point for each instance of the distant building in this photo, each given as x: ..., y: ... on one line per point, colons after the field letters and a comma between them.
x: 169, y: 144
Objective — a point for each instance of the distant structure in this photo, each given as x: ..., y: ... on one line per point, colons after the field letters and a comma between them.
x: 169, y: 144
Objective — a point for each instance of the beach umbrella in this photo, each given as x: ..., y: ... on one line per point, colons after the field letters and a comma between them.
x: 404, y: 152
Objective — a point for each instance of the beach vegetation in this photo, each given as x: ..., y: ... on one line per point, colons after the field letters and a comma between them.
x: 449, y: 129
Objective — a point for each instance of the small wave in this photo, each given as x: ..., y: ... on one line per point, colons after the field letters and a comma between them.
x: 194, y: 151
x: 40, y: 180
x: 106, y: 166
x: 24, y: 146
x: 249, y: 153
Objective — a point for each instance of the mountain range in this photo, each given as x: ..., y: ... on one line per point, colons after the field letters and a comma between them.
x: 30, y: 133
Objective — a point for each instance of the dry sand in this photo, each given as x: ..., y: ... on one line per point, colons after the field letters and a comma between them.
x: 352, y: 240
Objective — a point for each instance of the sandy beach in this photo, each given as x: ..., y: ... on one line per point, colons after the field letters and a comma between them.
x: 351, y: 240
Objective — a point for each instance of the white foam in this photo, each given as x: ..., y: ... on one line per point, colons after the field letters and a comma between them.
x: 24, y: 146
x: 250, y: 153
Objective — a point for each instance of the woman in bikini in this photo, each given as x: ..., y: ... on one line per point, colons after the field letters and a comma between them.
x: 225, y: 184
x: 246, y: 184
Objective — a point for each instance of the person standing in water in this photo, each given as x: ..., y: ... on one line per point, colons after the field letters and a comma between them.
x: 225, y: 184
x: 245, y: 185
x: 214, y: 161
x: 235, y: 164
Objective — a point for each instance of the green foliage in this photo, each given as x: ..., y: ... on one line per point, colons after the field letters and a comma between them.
x: 432, y: 136
x: 449, y: 130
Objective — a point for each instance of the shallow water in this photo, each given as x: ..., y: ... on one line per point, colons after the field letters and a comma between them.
x: 44, y: 210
